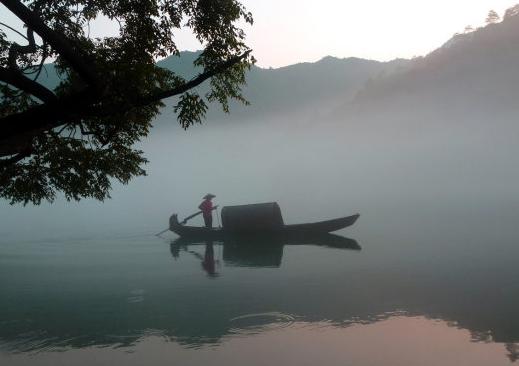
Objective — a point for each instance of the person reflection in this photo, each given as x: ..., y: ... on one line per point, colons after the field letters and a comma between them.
x: 175, y: 250
x: 209, y: 263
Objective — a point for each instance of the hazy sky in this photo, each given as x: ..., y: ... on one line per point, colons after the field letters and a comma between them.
x: 287, y: 32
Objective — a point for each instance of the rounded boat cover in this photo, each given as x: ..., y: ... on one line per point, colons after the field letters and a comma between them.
x: 255, y: 217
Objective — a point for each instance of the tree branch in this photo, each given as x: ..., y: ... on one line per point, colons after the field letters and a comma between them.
x: 14, y: 159
x: 42, y: 62
x: 15, y: 77
x: 193, y: 82
x: 14, y: 30
x: 55, y: 40
x: 16, y: 48
x: 21, y: 82
x: 77, y: 106
x: 45, y: 116
x: 163, y: 94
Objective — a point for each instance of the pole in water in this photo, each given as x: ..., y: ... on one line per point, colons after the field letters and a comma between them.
x: 162, y: 232
x: 218, y: 217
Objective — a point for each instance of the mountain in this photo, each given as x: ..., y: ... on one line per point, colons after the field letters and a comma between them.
x: 329, y: 81
x: 478, y: 68
x: 471, y: 74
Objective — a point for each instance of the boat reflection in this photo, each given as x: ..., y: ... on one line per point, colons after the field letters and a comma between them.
x: 255, y: 252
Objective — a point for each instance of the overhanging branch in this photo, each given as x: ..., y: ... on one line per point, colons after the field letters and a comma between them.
x: 21, y: 82
x: 195, y: 81
x: 14, y: 159
x: 45, y: 116
x: 59, y: 43
x: 163, y: 94
x: 80, y: 105
x: 14, y: 76
x: 15, y: 49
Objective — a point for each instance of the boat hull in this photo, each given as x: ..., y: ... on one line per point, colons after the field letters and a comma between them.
x: 321, y: 227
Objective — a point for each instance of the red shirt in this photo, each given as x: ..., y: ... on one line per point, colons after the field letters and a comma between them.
x: 206, y: 207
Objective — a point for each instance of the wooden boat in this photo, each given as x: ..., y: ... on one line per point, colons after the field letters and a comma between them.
x: 321, y: 227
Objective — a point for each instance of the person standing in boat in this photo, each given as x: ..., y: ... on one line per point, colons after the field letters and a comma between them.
x: 207, y: 210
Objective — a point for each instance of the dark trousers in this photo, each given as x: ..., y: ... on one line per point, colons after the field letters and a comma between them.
x: 208, y: 220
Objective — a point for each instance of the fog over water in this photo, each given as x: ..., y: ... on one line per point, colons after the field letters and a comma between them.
x: 327, y: 139
x: 315, y: 167
x: 425, y: 150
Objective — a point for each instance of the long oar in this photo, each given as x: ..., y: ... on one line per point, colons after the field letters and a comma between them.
x: 190, y: 217
x: 162, y: 232
x: 196, y: 214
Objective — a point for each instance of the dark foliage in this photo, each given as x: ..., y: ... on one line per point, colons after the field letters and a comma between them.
x: 78, y: 137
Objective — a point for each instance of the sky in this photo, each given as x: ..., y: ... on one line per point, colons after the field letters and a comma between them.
x: 289, y: 31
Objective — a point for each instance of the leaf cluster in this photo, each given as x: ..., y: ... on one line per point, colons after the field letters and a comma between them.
x: 81, y: 153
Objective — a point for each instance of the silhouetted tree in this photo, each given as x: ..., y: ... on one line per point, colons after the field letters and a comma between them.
x: 512, y: 12
x: 492, y: 17
x: 469, y: 29
x: 78, y: 137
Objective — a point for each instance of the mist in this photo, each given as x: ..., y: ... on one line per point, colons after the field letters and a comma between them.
x: 424, y: 149
x: 406, y: 138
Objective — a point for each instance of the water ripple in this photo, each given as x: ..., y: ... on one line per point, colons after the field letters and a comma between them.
x: 251, y: 324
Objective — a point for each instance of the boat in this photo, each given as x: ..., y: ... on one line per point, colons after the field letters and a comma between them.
x: 257, y: 220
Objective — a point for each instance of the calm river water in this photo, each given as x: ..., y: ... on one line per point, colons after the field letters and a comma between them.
x: 436, y: 294
x: 433, y: 280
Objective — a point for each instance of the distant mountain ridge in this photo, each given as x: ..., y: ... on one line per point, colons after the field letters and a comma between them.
x: 327, y: 81
x: 469, y: 69
x: 480, y: 65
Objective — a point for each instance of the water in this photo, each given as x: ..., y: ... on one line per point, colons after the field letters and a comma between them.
x: 439, y: 294
x: 434, y: 281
